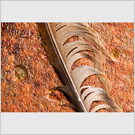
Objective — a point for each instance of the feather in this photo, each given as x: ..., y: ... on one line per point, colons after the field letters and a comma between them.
x: 102, y: 107
x: 64, y: 31
x: 75, y: 50
x: 79, y: 74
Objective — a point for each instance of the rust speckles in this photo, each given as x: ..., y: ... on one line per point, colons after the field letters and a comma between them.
x: 36, y: 84
x: 21, y: 72
x: 16, y: 50
x: 116, y: 53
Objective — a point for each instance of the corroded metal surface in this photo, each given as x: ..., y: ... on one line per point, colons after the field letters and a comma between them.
x: 118, y: 39
x: 27, y: 78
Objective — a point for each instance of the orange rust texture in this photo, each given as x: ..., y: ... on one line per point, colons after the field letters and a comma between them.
x: 118, y: 39
x: 21, y: 46
x: 33, y: 95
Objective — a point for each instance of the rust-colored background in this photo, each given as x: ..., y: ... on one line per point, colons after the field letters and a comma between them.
x: 21, y: 45
x: 118, y: 39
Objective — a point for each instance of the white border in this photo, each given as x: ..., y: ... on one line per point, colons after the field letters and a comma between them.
x: 68, y: 11
x: 68, y: 123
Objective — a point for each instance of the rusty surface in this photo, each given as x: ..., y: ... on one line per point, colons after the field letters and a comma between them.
x: 27, y: 78
x: 118, y: 39
x: 28, y: 90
